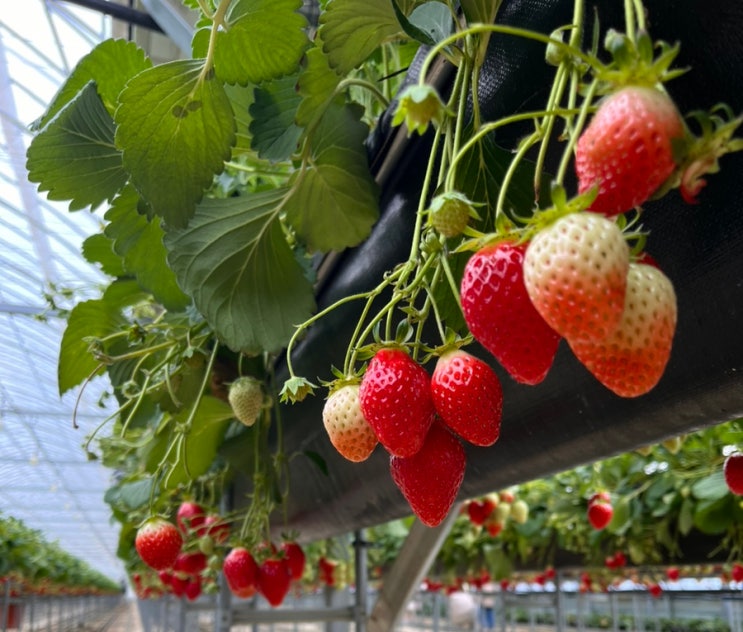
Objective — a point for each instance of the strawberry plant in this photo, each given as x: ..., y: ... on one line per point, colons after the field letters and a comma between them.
x: 225, y: 179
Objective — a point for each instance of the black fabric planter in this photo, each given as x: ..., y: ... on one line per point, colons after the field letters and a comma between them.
x: 570, y: 418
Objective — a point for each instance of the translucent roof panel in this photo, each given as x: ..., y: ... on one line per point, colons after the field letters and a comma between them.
x: 45, y: 478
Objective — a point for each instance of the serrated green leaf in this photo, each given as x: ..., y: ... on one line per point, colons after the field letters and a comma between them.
x: 317, y: 83
x: 710, y: 487
x: 99, y: 249
x: 95, y: 318
x: 264, y: 39
x: 74, y: 157
x: 241, y: 98
x: 109, y: 65
x: 201, y: 443
x: 714, y: 516
x: 352, y: 29
x: 176, y: 128
x: 139, y: 242
x: 335, y: 202
x: 274, y: 133
x: 428, y: 24
x: 686, y: 516
x: 129, y: 495
x: 233, y: 259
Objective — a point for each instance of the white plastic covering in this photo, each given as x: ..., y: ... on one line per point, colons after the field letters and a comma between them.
x: 45, y: 478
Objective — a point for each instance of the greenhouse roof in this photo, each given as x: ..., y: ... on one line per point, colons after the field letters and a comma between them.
x: 46, y: 479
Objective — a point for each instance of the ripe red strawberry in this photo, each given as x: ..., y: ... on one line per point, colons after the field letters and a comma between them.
x: 295, y: 559
x: 430, y: 479
x: 673, y: 573
x: 216, y: 528
x: 733, y: 472
x: 326, y: 569
x: 246, y: 398
x: 630, y: 361
x: 500, y: 315
x: 478, y: 511
x: 193, y: 588
x: 655, y: 590
x: 600, y: 514
x: 627, y: 149
x: 737, y: 572
x: 395, y: 398
x: 468, y: 397
x: 241, y: 572
x: 190, y: 563
x: 274, y: 580
x: 347, y: 429
x: 190, y: 517
x: 158, y: 543
x: 575, y: 272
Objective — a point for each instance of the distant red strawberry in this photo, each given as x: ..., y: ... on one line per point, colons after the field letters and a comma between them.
x: 600, y: 514
x: 430, y: 479
x: 193, y: 588
x: 737, y: 572
x: 274, y: 580
x: 241, y: 572
x: 326, y: 570
x: 295, y: 559
x: 628, y: 148
x: 575, y: 271
x: 158, y: 543
x: 630, y: 361
x: 190, y: 563
x: 655, y: 589
x: 190, y: 517
x: 468, y: 397
x: 395, y: 397
x: 673, y: 573
x: 344, y: 422
x: 500, y: 315
x: 478, y: 512
x: 216, y: 528
x: 733, y: 472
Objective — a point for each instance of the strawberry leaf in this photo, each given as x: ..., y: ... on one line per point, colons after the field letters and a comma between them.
x: 99, y: 249
x: 96, y: 318
x: 234, y: 260
x: 201, y: 442
x: 242, y: 99
x: 275, y: 135
x: 428, y: 23
x: 176, y: 127
x: 74, y: 157
x: 317, y: 82
x: 139, y: 242
x: 335, y: 203
x: 351, y: 30
x: 264, y: 39
x: 110, y: 65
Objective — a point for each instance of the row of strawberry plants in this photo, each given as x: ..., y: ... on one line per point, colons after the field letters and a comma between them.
x: 32, y: 565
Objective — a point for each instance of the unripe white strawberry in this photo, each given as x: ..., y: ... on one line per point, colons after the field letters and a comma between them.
x: 246, y: 398
x: 347, y: 429
x: 520, y: 511
x: 575, y: 272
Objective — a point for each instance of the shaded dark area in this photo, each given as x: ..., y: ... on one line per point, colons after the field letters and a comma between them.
x: 570, y: 418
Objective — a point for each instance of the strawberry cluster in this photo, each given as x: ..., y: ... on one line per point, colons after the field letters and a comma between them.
x: 420, y: 420
x: 182, y: 553
x: 267, y: 570
x: 493, y: 511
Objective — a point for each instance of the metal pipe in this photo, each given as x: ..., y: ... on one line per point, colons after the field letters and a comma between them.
x: 120, y: 12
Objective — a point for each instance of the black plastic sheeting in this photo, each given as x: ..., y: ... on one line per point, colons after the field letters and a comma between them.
x: 570, y: 418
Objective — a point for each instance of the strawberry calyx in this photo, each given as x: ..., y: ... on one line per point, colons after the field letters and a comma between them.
x: 717, y: 128
x: 634, y: 62
x: 561, y: 206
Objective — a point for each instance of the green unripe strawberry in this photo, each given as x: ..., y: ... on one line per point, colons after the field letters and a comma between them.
x: 246, y: 398
x: 450, y: 213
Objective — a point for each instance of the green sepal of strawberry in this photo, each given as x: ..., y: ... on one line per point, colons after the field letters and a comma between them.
x: 296, y: 389
x: 561, y: 206
x: 418, y: 106
x: 717, y: 129
x: 634, y: 62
